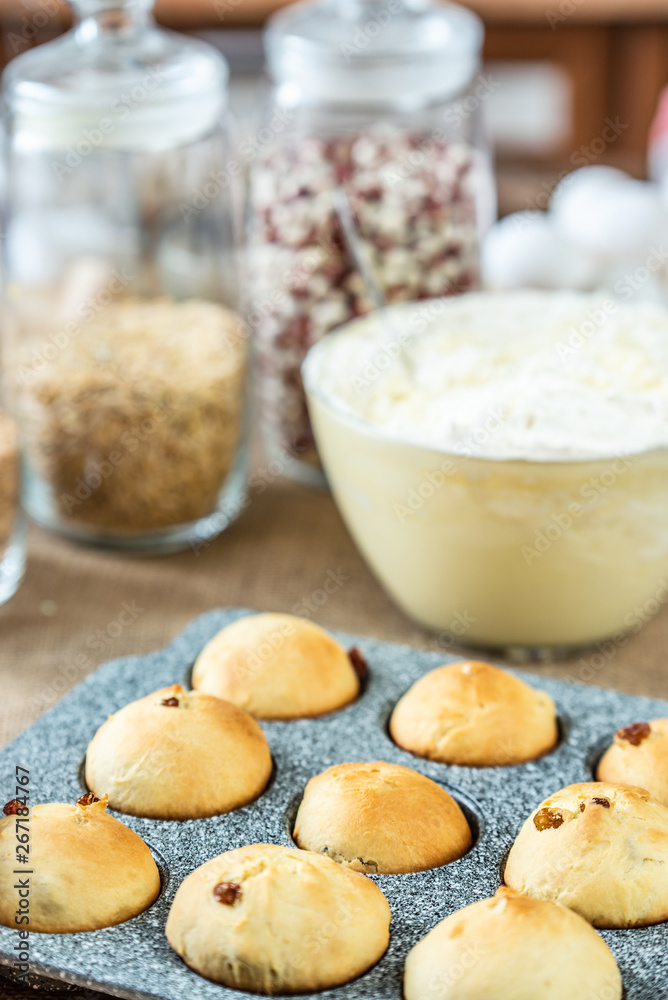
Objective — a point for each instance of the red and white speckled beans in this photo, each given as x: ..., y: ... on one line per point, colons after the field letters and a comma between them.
x: 414, y: 200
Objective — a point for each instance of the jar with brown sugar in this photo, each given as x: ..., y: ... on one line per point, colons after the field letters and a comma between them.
x: 126, y: 357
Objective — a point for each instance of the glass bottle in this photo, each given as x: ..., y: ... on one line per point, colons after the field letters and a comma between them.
x: 378, y: 103
x: 12, y: 527
x: 126, y: 358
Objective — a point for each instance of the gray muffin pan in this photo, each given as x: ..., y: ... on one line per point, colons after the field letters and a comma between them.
x: 134, y: 960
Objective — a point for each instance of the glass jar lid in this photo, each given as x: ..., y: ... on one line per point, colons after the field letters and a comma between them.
x: 403, y: 52
x: 115, y: 81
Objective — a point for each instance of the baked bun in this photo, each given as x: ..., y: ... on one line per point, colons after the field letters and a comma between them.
x: 87, y: 870
x: 598, y: 848
x: 278, y: 920
x: 476, y: 715
x: 381, y: 818
x: 178, y: 755
x: 512, y: 947
x: 639, y: 756
x: 277, y: 667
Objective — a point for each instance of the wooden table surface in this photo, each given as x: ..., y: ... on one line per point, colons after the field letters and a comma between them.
x: 64, y: 620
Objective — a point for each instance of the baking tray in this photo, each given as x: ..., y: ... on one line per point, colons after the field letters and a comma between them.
x: 134, y: 960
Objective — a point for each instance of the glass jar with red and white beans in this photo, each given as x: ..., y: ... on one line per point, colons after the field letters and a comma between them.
x: 375, y: 105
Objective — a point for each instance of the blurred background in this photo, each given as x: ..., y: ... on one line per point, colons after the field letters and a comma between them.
x: 560, y: 72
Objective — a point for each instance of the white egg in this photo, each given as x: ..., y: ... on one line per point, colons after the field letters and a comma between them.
x: 586, y: 179
x: 657, y: 159
x: 525, y: 249
x: 638, y: 283
x: 604, y: 211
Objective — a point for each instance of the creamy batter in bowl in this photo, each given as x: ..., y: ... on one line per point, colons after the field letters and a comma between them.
x: 501, y: 461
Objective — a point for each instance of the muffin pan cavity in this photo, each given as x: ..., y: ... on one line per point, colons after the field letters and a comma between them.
x: 163, y: 869
x: 134, y: 960
x: 594, y: 755
x: 81, y: 775
x: 563, y: 730
x: 472, y: 812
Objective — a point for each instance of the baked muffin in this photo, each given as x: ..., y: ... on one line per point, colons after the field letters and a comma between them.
x: 476, y: 715
x: 178, y: 755
x: 512, y: 947
x: 277, y: 667
x: 600, y: 849
x: 87, y: 870
x: 381, y: 818
x: 639, y: 756
x: 275, y: 919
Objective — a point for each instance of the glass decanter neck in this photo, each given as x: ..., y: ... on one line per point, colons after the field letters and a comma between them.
x: 110, y: 18
x: 88, y: 8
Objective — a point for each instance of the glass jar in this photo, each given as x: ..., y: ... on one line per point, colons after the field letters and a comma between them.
x: 12, y: 528
x: 376, y: 103
x: 126, y: 357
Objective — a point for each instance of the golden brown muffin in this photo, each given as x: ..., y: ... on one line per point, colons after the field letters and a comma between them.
x: 639, y: 756
x: 512, y: 947
x: 87, y: 870
x: 381, y: 818
x: 598, y: 848
x: 277, y: 667
x: 275, y: 919
x: 474, y: 714
x: 178, y: 755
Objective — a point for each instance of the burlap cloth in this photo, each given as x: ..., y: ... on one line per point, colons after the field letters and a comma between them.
x: 78, y: 607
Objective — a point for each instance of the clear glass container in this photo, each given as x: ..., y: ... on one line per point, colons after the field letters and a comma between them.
x: 12, y: 527
x: 126, y: 357
x: 375, y: 105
